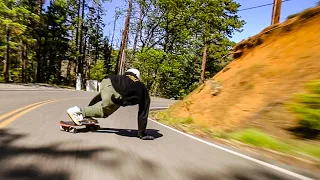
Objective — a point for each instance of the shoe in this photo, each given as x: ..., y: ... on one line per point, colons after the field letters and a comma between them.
x: 75, y: 115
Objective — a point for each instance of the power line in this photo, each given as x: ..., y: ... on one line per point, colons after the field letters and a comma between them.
x: 254, y: 7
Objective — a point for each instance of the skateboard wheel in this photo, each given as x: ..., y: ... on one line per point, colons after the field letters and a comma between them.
x: 73, y: 130
x: 61, y: 128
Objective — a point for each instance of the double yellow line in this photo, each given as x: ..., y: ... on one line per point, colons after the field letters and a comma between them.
x: 15, y: 114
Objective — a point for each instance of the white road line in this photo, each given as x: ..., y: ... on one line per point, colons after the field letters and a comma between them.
x: 237, y: 154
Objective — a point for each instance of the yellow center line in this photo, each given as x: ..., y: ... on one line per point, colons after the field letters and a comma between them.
x: 20, y: 109
x: 11, y: 119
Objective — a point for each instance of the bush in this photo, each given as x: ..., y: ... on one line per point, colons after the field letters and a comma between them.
x: 307, y: 106
x: 2, y: 80
x: 309, y: 13
x: 97, y: 71
x: 292, y: 16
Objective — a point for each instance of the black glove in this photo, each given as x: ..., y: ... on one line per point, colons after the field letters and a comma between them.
x: 146, y: 137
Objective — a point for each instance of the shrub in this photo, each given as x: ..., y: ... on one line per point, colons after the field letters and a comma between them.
x: 292, y: 16
x: 2, y: 80
x: 307, y: 106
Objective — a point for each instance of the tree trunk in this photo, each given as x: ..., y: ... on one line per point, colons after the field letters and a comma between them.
x: 80, y: 61
x: 39, y: 7
x: 68, y: 72
x: 24, y: 62
x: 204, y: 61
x: 77, y: 40
x: 7, y: 61
x: 138, y: 31
x: 84, y: 54
x: 124, y: 39
x: 77, y: 28
x: 38, y: 52
x: 97, y: 43
x: 58, y: 71
x: 107, y: 57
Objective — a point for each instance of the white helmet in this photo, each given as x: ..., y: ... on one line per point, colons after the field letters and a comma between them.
x: 134, y: 71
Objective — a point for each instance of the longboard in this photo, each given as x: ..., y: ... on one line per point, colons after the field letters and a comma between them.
x: 70, y: 126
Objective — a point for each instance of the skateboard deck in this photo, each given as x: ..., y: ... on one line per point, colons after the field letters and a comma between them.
x: 87, y: 125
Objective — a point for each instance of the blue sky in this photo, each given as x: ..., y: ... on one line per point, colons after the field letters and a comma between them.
x: 256, y: 19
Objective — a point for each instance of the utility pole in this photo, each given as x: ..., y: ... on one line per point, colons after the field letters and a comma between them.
x: 276, y: 12
x: 124, y: 40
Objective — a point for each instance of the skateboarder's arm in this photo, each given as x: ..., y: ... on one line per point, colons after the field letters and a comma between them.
x: 96, y: 99
x: 143, y: 114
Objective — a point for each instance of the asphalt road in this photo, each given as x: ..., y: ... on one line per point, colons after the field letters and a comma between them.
x: 33, y: 147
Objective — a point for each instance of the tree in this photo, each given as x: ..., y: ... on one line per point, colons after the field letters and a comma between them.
x: 98, y: 71
x: 11, y: 14
x: 39, y: 60
x: 141, y: 4
x: 187, y: 32
x: 215, y: 21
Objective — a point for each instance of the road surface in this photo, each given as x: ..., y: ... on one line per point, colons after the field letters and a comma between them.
x: 33, y: 147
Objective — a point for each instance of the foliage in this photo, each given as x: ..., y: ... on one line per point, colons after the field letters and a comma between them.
x: 253, y: 137
x: 173, y: 36
x: 97, y: 71
x: 259, y: 138
x: 66, y: 37
x: 2, y: 78
x: 307, y: 106
x: 40, y: 44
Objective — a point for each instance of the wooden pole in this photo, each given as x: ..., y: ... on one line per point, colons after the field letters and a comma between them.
x: 276, y: 12
x: 124, y: 37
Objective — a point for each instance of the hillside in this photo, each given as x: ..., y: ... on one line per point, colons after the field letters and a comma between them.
x: 271, y: 68
x: 254, y: 90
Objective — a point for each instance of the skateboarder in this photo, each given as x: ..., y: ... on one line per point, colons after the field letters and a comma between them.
x: 116, y: 91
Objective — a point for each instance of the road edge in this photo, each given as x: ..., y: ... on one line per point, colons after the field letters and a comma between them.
x: 271, y: 166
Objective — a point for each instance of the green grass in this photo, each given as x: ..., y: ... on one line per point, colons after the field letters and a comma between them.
x: 186, y: 124
x: 307, y: 106
x: 311, y: 150
x: 165, y: 117
x: 253, y: 137
x: 260, y: 139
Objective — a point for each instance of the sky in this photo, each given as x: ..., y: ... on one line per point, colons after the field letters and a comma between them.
x: 256, y: 19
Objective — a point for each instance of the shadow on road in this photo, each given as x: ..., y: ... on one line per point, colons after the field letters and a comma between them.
x: 53, y: 161
x: 31, y: 173
x: 14, y: 159
x: 127, y: 132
